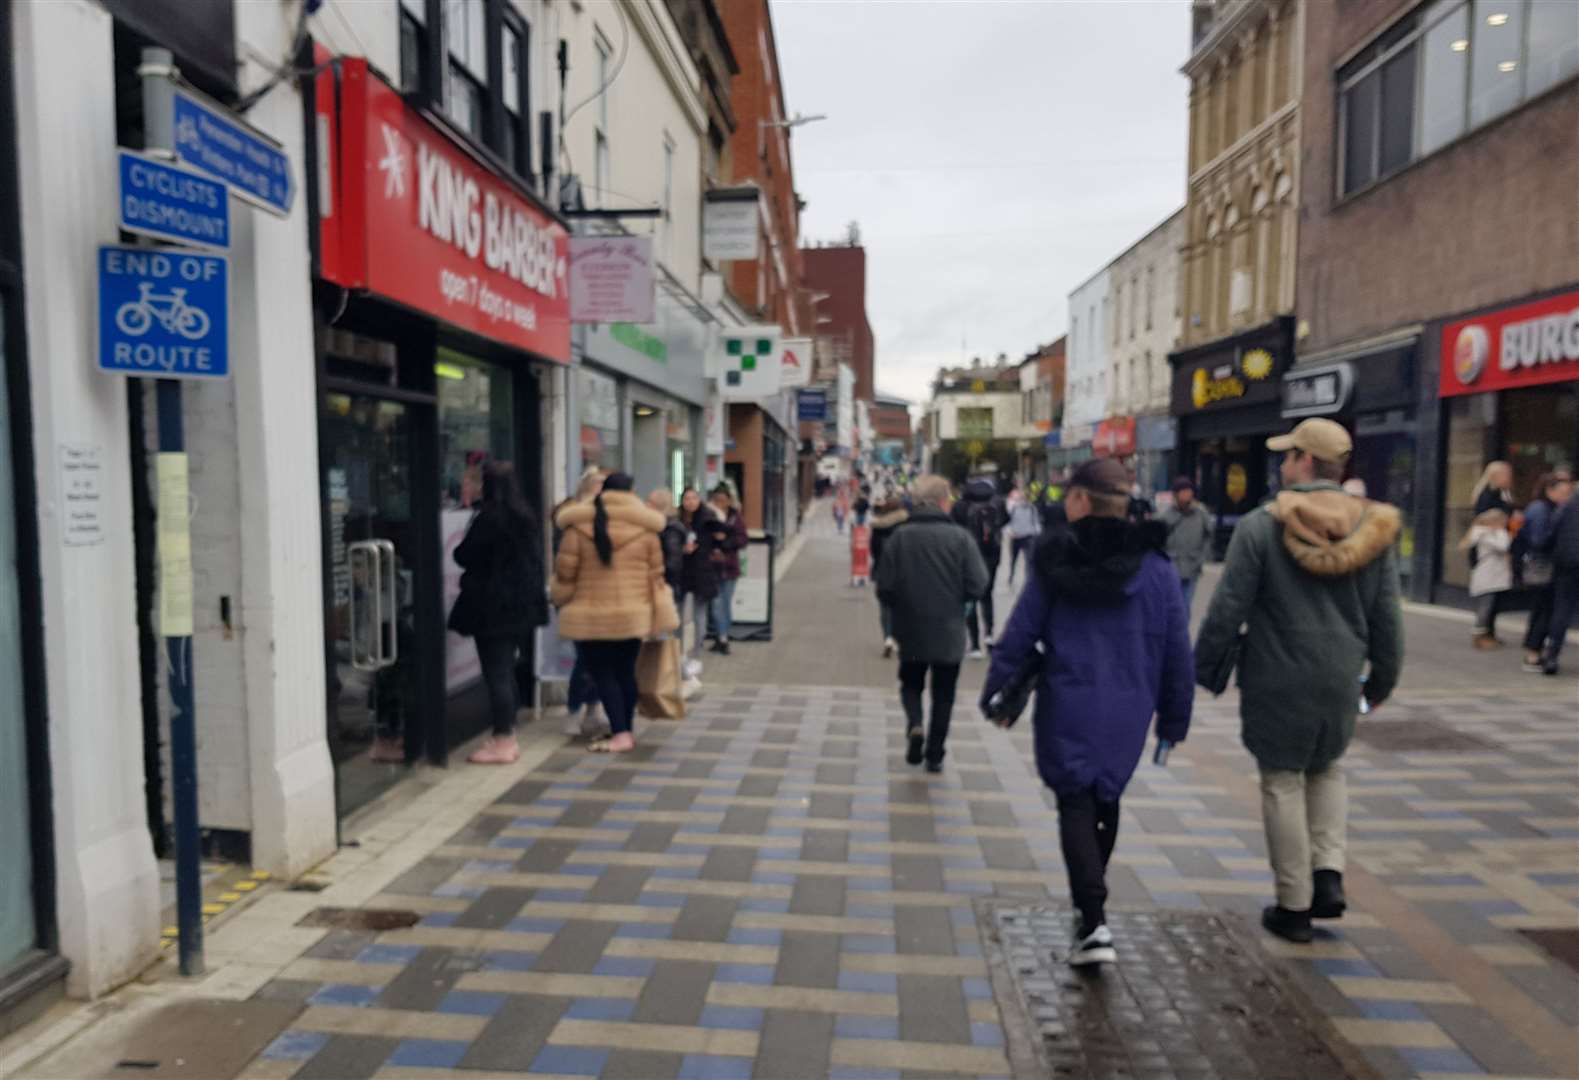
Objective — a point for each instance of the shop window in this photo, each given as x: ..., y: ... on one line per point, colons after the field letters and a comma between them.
x: 1444, y: 80
x: 1469, y: 445
x: 476, y: 424
x: 1553, y: 38
x: 598, y: 401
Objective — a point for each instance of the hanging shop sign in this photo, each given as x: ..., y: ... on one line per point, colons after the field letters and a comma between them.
x: 1250, y: 375
x: 611, y: 279
x: 412, y: 216
x: 1523, y: 345
x: 812, y: 406
x: 729, y: 223
x: 168, y: 201
x: 1318, y: 391
x: 795, y: 362
x: 163, y: 312
x: 749, y: 362
x: 1115, y: 437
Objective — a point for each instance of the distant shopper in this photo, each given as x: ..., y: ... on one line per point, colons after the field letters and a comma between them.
x: 501, y: 601
x: 609, y: 586
x: 1491, y: 571
x: 1494, y: 489
x: 729, y: 540
x: 1565, y: 579
x: 891, y: 514
x: 929, y: 570
x: 1534, y: 564
x: 1190, y: 528
x: 1105, y: 603
x: 1314, y: 574
x: 841, y: 506
x: 863, y: 504
x: 582, y: 709
x: 982, y: 512
x: 1025, y: 523
x: 699, y: 585
x: 672, y: 538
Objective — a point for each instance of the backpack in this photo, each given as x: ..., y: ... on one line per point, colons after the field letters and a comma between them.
x: 985, y: 524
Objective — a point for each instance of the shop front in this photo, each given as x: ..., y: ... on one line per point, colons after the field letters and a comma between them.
x: 442, y: 312
x: 1507, y: 383
x: 1227, y: 401
x: 1068, y: 447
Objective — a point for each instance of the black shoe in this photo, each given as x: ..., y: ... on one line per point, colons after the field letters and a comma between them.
x: 1549, y: 666
x: 722, y: 648
x: 1327, y: 900
x: 1289, y: 925
x: 934, y: 766
x: 1092, y: 948
x: 918, y: 741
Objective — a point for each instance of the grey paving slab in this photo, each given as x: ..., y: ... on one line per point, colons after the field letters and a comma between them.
x: 932, y: 1009
x: 917, y: 873
x: 348, y: 1057
x: 729, y: 864
x: 924, y: 930
x: 426, y: 980
x: 576, y: 948
x: 818, y: 894
x: 493, y: 909
x: 675, y: 993
x: 704, y: 918
x: 515, y: 1034
x: 794, y: 1045
x: 641, y: 1065
x: 651, y: 836
x: 619, y: 885
x: 825, y: 845
x: 745, y: 820
x: 807, y: 959
x: 547, y: 856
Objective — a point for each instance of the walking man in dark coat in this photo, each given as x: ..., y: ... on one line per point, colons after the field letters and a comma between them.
x: 931, y: 568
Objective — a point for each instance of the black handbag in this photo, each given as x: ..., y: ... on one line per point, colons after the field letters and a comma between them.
x: 1005, y: 706
x: 1217, y: 679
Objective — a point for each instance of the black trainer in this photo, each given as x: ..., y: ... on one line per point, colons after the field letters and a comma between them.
x: 1091, y: 948
x: 917, y: 747
x: 1327, y: 899
x: 1289, y: 925
x: 934, y: 766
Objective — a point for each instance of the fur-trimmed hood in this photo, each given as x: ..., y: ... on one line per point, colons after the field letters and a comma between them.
x: 1097, y: 556
x: 890, y: 519
x: 1331, y: 533
x: 629, y: 517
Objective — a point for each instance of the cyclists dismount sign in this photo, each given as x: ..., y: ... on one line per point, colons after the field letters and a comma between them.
x: 162, y: 313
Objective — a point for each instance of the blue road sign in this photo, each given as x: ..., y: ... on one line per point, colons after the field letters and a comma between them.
x: 163, y: 313
x: 813, y: 405
x: 208, y: 137
x: 172, y: 202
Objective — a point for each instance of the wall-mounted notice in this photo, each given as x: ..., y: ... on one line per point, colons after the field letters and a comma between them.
x: 81, y: 509
x: 175, y: 547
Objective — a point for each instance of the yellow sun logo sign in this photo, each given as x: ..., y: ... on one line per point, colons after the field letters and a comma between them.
x: 1257, y: 364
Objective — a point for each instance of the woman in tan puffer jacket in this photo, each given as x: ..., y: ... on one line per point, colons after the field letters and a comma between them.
x: 609, y: 586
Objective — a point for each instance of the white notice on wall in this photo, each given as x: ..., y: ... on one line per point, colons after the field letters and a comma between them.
x: 81, y: 509
x: 175, y: 546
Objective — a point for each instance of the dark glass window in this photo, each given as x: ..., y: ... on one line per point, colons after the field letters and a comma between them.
x: 1397, y: 111
x: 1359, y: 137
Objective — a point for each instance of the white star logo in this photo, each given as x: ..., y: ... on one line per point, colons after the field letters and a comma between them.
x: 393, y: 164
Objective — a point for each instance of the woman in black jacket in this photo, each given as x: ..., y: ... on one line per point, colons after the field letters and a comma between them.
x: 502, y: 599
x: 698, y: 574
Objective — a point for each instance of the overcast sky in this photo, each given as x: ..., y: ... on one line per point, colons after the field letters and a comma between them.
x: 995, y: 154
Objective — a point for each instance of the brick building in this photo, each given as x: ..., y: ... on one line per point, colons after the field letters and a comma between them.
x: 1453, y: 341
x: 843, y: 330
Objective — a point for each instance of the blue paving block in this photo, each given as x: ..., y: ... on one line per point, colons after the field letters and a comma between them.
x: 866, y: 1027
x: 488, y: 866
x: 976, y: 888
x: 957, y: 841
x: 594, y: 846
x: 754, y: 974
x: 962, y: 916
x: 601, y: 1009
x: 1389, y: 1010
x: 967, y: 947
x: 985, y: 1034
x: 661, y: 899
x: 528, y: 821
x: 865, y: 814
x: 428, y: 1054
x: 770, y: 877
x: 1177, y: 899
x: 869, y: 911
x: 870, y: 858
x: 439, y: 918
x: 388, y: 954
x: 1488, y: 908
x: 532, y: 925
x: 754, y: 937
x: 873, y: 982
x: 650, y: 931
x: 714, y: 1067
x: 512, y: 843
x: 1438, y: 1060
x: 1330, y: 966
x: 578, y: 869
x: 841, y: 1072
x: 964, y: 862
x: 1467, y: 879
x: 557, y: 804
x: 868, y: 884
x: 295, y: 1045
x: 867, y: 943
x: 677, y: 873
x: 560, y: 896
x: 636, y: 966
x: 785, y: 832
x: 1543, y: 879
x: 622, y: 824
x: 465, y: 892
x: 570, y: 1061
x: 344, y: 994
x: 977, y: 989
x: 508, y: 960
x: 630, y: 806
x: 471, y: 1003
x: 731, y: 1017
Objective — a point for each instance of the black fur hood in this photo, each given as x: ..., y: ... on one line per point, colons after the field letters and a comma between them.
x: 1097, y: 557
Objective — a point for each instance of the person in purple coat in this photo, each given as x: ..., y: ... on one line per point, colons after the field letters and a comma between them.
x: 1105, y: 602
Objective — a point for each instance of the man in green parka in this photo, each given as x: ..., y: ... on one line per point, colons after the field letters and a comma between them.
x: 1313, y: 578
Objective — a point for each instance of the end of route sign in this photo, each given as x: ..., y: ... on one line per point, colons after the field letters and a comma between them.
x: 163, y: 313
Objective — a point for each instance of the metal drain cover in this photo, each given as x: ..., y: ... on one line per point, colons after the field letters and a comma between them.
x: 1188, y: 998
x: 1417, y: 736
x: 373, y: 919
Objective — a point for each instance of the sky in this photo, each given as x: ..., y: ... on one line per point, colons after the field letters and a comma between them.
x: 995, y: 155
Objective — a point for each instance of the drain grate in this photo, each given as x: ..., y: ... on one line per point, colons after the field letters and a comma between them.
x: 373, y: 919
x: 1417, y: 736
x: 1187, y: 998
x: 1562, y: 944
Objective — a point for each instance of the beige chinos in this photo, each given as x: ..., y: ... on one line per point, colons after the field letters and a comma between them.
x: 1307, y: 817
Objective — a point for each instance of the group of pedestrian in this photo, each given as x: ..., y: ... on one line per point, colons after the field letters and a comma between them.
x: 1536, y: 548
x: 1308, y: 615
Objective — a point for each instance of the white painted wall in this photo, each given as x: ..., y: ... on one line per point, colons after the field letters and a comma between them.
x: 1005, y: 413
x: 1146, y: 324
x: 1086, y: 386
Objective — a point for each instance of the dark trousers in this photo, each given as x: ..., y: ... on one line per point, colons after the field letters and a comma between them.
x: 1087, y: 830
x: 581, y: 691
x: 1565, y: 606
x: 1540, y: 617
x: 1487, y: 605
x: 912, y: 681
x: 497, y: 654
x: 1019, y: 545
x: 982, y: 609
x: 611, y: 665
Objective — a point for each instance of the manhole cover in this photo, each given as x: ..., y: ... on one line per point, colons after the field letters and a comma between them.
x: 1415, y: 736
x: 1563, y: 944
x: 375, y: 919
x: 1188, y: 997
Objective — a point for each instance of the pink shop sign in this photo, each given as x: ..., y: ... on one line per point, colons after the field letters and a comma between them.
x: 611, y: 279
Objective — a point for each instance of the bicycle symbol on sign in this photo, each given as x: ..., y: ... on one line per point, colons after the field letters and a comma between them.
x: 136, y: 317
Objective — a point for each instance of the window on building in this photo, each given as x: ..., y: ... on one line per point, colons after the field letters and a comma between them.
x: 413, y: 43
x: 1134, y: 304
x: 1444, y: 70
x: 466, y: 42
x: 515, y: 95
x: 1151, y: 294
x: 1118, y: 310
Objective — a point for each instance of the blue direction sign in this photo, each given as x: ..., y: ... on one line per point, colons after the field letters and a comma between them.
x: 812, y: 406
x: 208, y: 137
x: 163, y: 313
x: 172, y: 202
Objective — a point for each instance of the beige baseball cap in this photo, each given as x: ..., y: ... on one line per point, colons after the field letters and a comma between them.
x: 1323, y: 439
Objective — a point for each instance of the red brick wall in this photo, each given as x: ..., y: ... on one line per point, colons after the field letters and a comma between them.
x: 841, y: 271
x: 891, y: 421
x: 1491, y: 218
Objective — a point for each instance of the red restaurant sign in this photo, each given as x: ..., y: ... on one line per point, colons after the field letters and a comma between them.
x: 1115, y: 437
x: 1518, y: 346
x: 413, y: 217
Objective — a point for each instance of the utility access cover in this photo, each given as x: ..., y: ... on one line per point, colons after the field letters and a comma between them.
x: 1188, y: 998
x: 1418, y: 736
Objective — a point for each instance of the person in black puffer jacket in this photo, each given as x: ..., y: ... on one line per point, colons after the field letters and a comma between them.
x: 1565, y: 581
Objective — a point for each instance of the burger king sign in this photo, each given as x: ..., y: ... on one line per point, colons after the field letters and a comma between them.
x: 1518, y: 346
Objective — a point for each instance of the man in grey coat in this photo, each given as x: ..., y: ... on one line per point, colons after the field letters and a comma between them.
x: 1315, y: 576
x: 1190, y: 526
x: 931, y: 568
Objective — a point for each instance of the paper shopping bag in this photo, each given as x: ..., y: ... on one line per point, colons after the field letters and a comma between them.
x: 658, y: 680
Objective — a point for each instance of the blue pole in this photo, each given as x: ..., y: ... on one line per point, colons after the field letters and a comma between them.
x: 183, y: 739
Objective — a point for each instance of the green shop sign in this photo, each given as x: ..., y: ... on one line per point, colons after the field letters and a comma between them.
x: 634, y: 337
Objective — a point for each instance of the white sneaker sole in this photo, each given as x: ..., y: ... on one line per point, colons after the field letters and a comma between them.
x: 1091, y: 957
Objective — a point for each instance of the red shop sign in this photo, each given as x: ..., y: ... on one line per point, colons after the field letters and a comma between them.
x: 412, y: 216
x: 1518, y: 346
x: 1115, y: 437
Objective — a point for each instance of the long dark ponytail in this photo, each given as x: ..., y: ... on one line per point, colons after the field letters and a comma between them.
x: 600, y: 517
